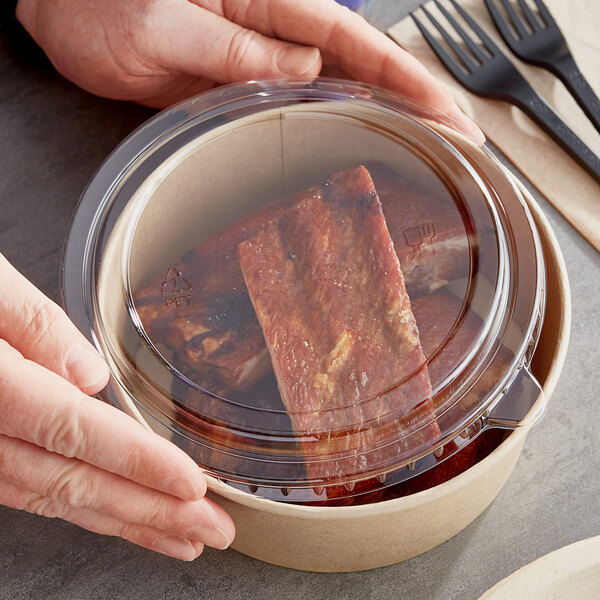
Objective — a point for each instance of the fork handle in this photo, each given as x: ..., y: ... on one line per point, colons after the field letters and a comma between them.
x: 566, y: 69
x: 529, y: 101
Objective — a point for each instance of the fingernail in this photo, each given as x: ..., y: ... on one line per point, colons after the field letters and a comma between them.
x: 182, y: 488
x: 469, y: 127
x: 297, y: 60
x: 174, y: 546
x: 85, y: 367
x: 209, y: 535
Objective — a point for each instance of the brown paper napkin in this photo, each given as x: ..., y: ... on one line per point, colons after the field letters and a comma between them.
x: 558, y: 177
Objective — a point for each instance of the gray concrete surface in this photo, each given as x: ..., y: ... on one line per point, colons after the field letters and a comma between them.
x: 53, y: 137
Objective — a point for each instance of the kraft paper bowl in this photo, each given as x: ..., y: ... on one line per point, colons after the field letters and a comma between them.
x: 169, y: 171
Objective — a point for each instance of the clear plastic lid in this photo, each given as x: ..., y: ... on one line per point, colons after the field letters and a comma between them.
x: 315, y: 288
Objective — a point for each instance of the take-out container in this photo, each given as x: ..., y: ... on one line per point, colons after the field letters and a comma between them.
x: 133, y: 284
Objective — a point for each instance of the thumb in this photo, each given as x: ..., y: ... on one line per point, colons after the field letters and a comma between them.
x: 41, y: 331
x: 201, y: 43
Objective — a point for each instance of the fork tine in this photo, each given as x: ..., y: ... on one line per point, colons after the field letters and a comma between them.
x: 546, y: 16
x: 462, y: 55
x: 500, y: 21
x: 529, y: 15
x: 483, y: 36
x: 514, y: 18
x: 475, y: 49
x: 448, y: 61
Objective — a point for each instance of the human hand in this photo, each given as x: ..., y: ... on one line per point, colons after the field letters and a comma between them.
x: 65, y: 454
x: 157, y: 52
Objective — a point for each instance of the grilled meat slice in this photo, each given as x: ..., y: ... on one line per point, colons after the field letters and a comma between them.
x: 329, y: 293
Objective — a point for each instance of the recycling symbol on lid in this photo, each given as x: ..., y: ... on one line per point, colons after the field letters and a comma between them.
x: 176, y: 289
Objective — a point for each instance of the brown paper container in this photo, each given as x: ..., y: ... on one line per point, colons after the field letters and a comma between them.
x: 206, y: 186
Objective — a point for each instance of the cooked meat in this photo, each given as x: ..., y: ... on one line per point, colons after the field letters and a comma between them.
x: 451, y: 467
x: 449, y: 333
x: 329, y: 293
x: 221, y: 428
x: 436, y: 316
x: 428, y: 231
x: 199, y: 308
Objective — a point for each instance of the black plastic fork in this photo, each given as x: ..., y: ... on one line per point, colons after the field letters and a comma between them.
x: 536, y: 39
x: 485, y: 71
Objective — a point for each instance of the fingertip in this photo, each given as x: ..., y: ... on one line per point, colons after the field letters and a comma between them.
x: 467, y: 126
x: 299, y: 60
x: 90, y: 390
x: 198, y: 548
x: 210, y: 535
x: 201, y: 485
x: 217, y: 516
x: 177, y: 547
x: 86, y: 368
x: 184, y: 488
